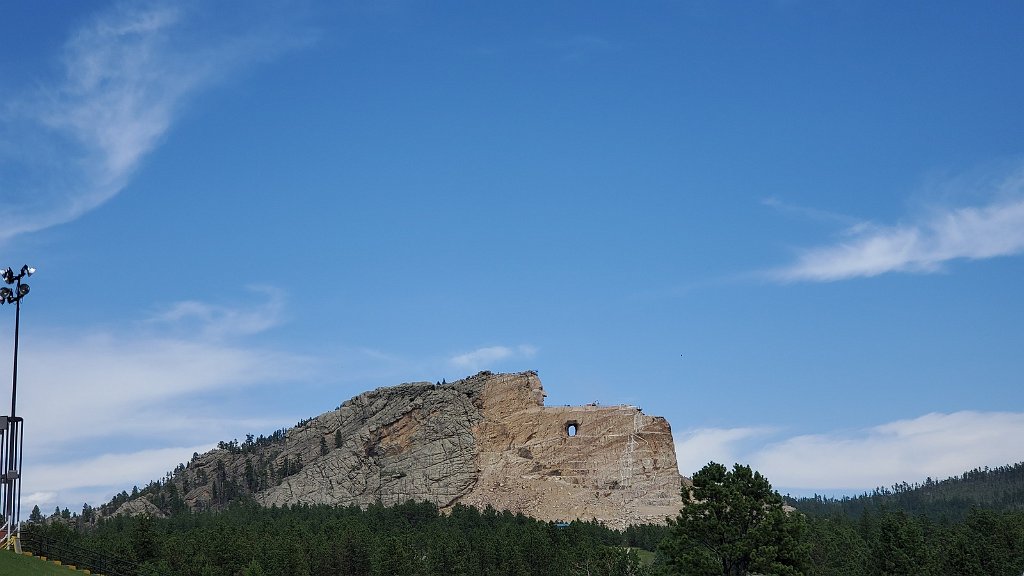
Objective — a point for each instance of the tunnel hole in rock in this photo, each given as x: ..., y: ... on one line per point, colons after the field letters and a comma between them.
x: 572, y: 427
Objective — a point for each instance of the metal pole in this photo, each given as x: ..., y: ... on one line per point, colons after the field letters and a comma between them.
x: 21, y: 461
x: 17, y: 326
x: 11, y: 461
x: 12, y: 447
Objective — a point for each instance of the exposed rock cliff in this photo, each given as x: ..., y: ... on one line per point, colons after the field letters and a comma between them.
x: 487, y: 439
x: 139, y: 507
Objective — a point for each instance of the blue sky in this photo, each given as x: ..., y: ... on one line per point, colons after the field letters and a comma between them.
x: 792, y: 228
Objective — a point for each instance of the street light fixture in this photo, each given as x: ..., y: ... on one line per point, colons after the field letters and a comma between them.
x: 11, y: 450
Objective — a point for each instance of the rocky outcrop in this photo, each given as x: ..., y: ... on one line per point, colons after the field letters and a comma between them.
x: 139, y: 507
x: 485, y: 440
x: 615, y: 463
x: 413, y: 441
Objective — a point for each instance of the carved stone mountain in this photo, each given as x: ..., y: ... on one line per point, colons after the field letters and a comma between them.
x: 484, y: 440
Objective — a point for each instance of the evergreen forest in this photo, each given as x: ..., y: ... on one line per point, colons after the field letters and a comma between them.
x: 411, y: 538
x: 968, y: 525
x: 999, y: 488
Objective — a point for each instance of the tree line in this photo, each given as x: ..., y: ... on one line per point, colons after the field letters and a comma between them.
x: 733, y: 524
x: 972, y: 524
x: 886, y: 541
x: 1000, y: 489
x: 412, y: 538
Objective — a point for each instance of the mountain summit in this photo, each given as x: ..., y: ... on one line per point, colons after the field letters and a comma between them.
x: 484, y: 440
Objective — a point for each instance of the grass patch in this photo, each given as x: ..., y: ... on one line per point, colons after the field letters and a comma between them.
x: 11, y: 563
x: 646, y: 556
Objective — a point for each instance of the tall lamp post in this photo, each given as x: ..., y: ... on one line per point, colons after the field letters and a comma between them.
x: 10, y: 451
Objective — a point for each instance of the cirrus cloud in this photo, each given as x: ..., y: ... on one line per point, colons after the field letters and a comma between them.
x: 489, y: 355
x: 936, y: 445
x: 70, y: 144
x: 925, y: 245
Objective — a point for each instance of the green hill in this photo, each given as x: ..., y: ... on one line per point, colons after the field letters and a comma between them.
x: 997, y: 489
x: 11, y: 563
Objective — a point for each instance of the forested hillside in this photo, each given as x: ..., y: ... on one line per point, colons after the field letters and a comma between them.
x: 969, y: 526
x: 411, y: 538
x: 972, y: 524
x: 997, y: 489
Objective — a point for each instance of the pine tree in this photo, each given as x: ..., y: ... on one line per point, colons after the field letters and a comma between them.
x: 733, y: 523
x: 250, y: 476
x: 87, y: 513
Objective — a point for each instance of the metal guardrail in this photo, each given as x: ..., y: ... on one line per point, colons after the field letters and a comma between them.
x: 78, y: 556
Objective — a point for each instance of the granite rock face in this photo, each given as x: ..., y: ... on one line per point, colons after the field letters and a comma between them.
x: 139, y: 507
x: 413, y: 441
x: 619, y: 466
x: 485, y: 440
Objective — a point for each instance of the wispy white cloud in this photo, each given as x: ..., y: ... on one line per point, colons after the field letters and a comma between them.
x: 73, y: 144
x: 936, y: 445
x: 922, y: 246
x: 109, y: 393
x: 487, y: 356
x: 99, y: 478
x: 723, y: 445
x: 135, y: 378
x: 101, y: 385
x: 809, y: 213
x: 211, y: 321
